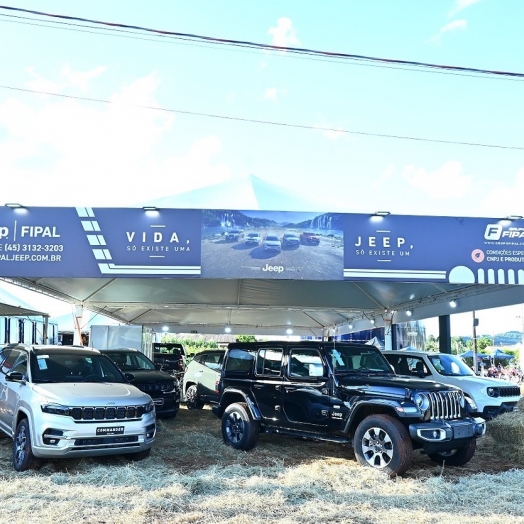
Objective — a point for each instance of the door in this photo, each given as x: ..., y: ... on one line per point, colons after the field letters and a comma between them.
x: 267, y: 386
x: 306, y: 400
x: 10, y: 391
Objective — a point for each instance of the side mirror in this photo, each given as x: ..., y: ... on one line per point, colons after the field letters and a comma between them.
x: 14, y: 376
x: 159, y: 366
x: 129, y: 376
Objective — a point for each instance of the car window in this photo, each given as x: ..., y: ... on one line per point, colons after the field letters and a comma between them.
x: 130, y: 360
x: 10, y: 361
x: 71, y: 367
x: 212, y: 360
x: 3, y: 354
x: 269, y: 361
x: 239, y: 361
x: 305, y: 363
x: 20, y: 365
x: 451, y: 365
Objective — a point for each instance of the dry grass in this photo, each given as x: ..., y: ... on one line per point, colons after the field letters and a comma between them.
x: 192, y: 477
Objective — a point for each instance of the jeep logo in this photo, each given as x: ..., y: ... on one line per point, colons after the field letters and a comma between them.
x: 273, y: 269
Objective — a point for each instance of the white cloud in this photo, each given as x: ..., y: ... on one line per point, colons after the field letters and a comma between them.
x: 284, y: 34
x: 271, y: 93
x: 460, y: 5
x: 334, y: 133
x: 81, y: 79
x: 506, y: 199
x: 68, y: 152
x: 39, y: 83
x: 452, y: 26
x: 446, y: 182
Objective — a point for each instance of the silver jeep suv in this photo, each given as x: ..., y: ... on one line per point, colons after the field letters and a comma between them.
x: 63, y: 402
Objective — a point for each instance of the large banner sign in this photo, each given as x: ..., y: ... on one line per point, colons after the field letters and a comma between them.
x: 191, y: 243
x: 86, y: 242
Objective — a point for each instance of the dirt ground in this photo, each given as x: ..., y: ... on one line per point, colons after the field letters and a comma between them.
x: 192, y: 441
x: 294, y: 452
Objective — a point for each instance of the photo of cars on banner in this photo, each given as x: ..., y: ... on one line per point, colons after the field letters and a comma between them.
x: 272, y: 244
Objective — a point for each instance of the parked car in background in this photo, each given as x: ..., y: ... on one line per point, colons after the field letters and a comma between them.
x: 162, y: 387
x: 233, y: 235
x: 253, y: 238
x: 171, y: 356
x: 491, y: 396
x: 309, y: 238
x: 200, y: 383
x: 290, y: 240
x: 64, y: 402
x: 272, y: 243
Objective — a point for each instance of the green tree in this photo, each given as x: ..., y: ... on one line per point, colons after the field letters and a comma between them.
x: 432, y: 343
x: 246, y: 338
x: 483, y: 343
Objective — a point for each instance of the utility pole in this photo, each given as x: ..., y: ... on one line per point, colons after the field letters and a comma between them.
x: 475, y: 324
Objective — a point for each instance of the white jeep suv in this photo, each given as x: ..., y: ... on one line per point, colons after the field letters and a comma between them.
x: 63, y: 402
x: 492, y: 396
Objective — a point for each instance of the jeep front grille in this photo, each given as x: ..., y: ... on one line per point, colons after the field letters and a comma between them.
x: 148, y: 387
x: 108, y: 413
x: 510, y: 391
x: 445, y: 405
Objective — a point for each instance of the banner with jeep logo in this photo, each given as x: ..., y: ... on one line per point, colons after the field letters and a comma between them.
x: 192, y: 243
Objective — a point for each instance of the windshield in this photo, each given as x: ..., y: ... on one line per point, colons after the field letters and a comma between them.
x: 349, y: 359
x: 450, y: 366
x: 272, y: 238
x: 130, y: 360
x: 70, y: 367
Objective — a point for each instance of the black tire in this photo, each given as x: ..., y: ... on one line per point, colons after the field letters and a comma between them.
x: 383, y: 443
x: 239, y: 430
x: 455, y: 457
x: 140, y: 455
x: 23, y: 458
x: 193, y: 400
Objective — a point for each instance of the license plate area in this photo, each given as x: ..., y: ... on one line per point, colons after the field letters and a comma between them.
x: 110, y: 430
x: 463, y: 431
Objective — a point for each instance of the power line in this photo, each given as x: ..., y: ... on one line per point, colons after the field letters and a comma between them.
x: 163, y: 39
x: 113, y: 32
x: 267, y: 47
x: 265, y: 122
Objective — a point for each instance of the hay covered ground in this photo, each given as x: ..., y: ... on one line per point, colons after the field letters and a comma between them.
x: 192, y: 477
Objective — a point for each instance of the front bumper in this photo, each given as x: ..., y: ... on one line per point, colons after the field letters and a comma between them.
x: 490, y: 412
x: 443, y: 435
x: 61, y: 437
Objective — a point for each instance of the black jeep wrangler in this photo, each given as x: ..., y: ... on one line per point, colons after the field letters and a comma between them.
x: 342, y: 392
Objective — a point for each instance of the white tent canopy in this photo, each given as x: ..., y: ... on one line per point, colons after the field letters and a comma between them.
x: 265, y: 306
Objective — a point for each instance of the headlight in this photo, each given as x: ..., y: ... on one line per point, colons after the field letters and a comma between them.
x: 56, y: 409
x: 421, y: 401
x: 493, y: 392
x: 149, y: 407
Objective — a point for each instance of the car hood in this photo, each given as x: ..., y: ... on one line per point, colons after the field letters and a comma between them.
x: 82, y: 393
x: 473, y: 379
x: 150, y: 375
x: 390, y: 381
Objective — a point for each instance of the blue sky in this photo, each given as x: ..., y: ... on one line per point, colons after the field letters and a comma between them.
x: 67, y: 152
x: 70, y: 152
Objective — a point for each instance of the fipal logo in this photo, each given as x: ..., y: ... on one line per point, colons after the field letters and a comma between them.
x: 493, y: 232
